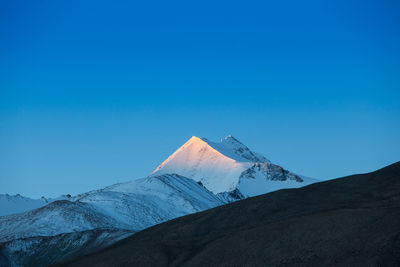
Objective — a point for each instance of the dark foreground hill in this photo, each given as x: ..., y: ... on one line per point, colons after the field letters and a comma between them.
x: 351, y: 221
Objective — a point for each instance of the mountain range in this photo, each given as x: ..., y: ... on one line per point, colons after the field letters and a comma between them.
x: 199, y: 176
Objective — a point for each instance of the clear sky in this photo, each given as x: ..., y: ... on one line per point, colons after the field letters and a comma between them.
x: 93, y: 92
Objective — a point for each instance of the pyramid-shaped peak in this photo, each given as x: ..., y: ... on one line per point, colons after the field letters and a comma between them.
x: 195, y: 138
x: 200, y: 150
x: 224, y: 166
x: 229, y: 140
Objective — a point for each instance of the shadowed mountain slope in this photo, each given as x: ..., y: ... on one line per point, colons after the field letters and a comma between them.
x: 351, y: 221
x: 44, y: 250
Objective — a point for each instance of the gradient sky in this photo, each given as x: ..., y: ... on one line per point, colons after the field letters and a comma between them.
x: 93, y: 92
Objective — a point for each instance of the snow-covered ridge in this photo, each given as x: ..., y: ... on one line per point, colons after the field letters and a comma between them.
x: 58, y: 217
x: 130, y: 206
x: 227, y: 166
x: 152, y: 200
x: 234, y: 149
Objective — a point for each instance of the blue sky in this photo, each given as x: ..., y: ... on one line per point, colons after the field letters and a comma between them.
x: 94, y: 92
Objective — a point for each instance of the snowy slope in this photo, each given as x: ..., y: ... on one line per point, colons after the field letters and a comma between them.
x: 131, y: 206
x: 228, y: 166
x: 17, y: 203
x: 55, y: 218
x: 149, y: 201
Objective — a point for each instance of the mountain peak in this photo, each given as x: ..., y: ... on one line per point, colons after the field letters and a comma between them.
x: 217, y: 165
x: 195, y: 138
x: 230, y: 139
x: 225, y: 166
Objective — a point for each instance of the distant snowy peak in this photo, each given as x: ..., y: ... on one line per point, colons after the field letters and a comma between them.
x: 227, y: 166
x: 16, y: 204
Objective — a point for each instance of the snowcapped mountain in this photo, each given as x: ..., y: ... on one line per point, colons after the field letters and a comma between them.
x: 17, y: 203
x: 229, y: 166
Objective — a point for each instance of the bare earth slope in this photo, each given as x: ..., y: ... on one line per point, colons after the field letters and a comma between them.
x: 351, y: 221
